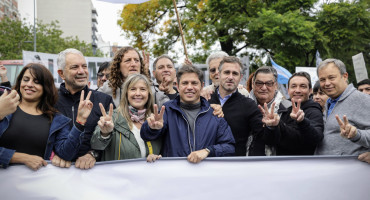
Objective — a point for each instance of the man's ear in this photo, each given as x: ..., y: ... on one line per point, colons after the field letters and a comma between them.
x: 60, y: 72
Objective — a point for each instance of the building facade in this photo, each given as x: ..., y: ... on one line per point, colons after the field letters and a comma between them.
x: 9, y: 8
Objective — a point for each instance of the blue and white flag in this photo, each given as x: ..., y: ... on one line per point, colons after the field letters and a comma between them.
x: 318, y: 58
x: 125, y: 1
x: 283, y: 74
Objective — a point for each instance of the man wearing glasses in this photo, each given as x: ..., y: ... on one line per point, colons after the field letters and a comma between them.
x: 299, y: 134
x: 103, y: 73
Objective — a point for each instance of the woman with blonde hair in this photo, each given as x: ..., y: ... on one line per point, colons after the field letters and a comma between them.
x: 118, y: 131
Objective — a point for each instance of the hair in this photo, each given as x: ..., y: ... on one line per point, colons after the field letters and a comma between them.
x: 302, y: 74
x: 123, y: 105
x: 249, y: 82
x: 316, y: 88
x: 49, y: 92
x: 216, y: 55
x: 116, y: 79
x: 186, y: 69
x: 61, y: 61
x: 103, y: 66
x: 160, y: 57
x: 231, y: 59
x: 338, y: 63
x: 266, y: 70
x: 363, y: 82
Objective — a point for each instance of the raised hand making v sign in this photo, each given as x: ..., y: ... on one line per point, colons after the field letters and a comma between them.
x: 346, y: 129
x: 84, y: 108
x: 155, y: 121
x: 297, y: 114
x: 269, y: 118
x: 106, y: 123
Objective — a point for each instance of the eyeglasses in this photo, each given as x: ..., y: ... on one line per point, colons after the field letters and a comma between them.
x: 213, y: 70
x: 3, y: 88
x: 100, y: 75
x: 260, y: 83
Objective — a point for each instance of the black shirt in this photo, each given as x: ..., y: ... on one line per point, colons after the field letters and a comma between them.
x: 27, y: 133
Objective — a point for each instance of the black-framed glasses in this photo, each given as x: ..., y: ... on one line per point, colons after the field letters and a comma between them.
x: 213, y: 70
x: 260, y: 83
x: 3, y: 88
x: 100, y: 75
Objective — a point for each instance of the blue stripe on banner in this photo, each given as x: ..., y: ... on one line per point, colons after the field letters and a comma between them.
x: 125, y: 1
x: 288, y: 178
x: 283, y: 74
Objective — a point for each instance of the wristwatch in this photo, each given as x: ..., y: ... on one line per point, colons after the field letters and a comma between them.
x: 209, y: 151
x: 93, y: 153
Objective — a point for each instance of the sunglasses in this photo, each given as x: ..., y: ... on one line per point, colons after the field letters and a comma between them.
x: 100, y: 75
x: 3, y: 88
x: 268, y: 83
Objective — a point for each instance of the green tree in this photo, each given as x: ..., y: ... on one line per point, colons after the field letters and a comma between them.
x: 16, y: 36
x: 289, y: 30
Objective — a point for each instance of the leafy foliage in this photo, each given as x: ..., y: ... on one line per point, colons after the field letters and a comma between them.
x: 289, y: 30
x: 16, y: 36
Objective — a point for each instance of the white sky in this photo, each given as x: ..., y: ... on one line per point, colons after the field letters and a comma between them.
x: 108, y: 14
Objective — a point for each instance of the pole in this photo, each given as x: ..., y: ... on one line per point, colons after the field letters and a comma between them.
x: 180, y: 28
x: 34, y: 25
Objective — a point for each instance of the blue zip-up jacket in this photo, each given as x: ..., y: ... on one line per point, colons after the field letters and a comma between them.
x: 179, y: 141
x: 62, y: 139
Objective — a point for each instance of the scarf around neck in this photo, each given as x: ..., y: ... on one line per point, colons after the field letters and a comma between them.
x: 137, y: 115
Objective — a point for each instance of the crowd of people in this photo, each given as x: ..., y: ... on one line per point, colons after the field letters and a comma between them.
x: 136, y: 113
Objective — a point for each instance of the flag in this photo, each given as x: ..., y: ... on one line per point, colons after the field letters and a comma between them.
x: 318, y: 58
x: 283, y: 74
x: 125, y: 1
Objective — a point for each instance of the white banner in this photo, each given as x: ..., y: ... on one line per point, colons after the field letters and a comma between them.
x: 360, y: 67
x: 214, y: 178
x: 312, y: 71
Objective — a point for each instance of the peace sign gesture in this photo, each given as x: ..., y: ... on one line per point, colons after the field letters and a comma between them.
x: 297, y: 114
x: 164, y: 86
x: 155, y: 121
x: 84, y: 108
x: 346, y: 129
x: 269, y: 118
x: 106, y: 123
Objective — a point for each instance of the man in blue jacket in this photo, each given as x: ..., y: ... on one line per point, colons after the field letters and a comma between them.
x: 187, y: 124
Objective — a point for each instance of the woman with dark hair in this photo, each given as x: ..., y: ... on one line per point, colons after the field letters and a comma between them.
x: 118, y: 132
x: 36, y: 129
x: 128, y: 61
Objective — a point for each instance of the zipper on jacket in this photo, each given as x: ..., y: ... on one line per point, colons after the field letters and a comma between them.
x: 73, y: 115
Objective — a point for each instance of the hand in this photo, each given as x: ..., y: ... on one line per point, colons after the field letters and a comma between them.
x: 84, y: 108
x: 365, y: 157
x: 206, y: 93
x: 155, y: 121
x: 31, y: 161
x: 240, y: 86
x: 217, y: 110
x: 3, y: 76
x: 346, y: 129
x: 146, y: 60
x: 197, y: 156
x: 297, y: 114
x: 165, y: 85
x: 85, y: 162
x: 8, y: 103
x: 187, y: 62
x: 105, y: 123
x: 58, y: 162
x: 269, y: 118
x: 152, y: 158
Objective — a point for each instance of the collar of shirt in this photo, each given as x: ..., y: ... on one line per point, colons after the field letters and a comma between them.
x: 331, y: 103
x: 223, y: 100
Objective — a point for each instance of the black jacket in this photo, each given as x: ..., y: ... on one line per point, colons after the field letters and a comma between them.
x: 300, y: 138
x: 244, y: 119
x: 68, y: 105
